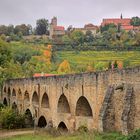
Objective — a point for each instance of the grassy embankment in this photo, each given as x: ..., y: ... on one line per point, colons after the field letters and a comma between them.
x: 79, y: 136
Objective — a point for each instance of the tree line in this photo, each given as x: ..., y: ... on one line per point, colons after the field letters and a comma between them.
x: 41, y: 28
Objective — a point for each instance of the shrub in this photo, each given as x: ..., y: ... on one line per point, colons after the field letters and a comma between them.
x: 1, y: 106
x: 115, y: 64
x: 134, y: 136
x: 126, y: 63
x: 83, y: 129
x: 99, y: 66
x: 64, y: 67
x: 10, y: 120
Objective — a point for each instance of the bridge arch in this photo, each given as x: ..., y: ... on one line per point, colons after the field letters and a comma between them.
x: 63, y: 105
x: 19, y: 93
x: 4, y: 89
x: 14, y: 107
x: 9, y: 92
x: 83, y: 107
x: 5, y: 102
x: 9, y: 95
x: 62, y: 126
x: 14, y: 93
x: 35, y: 98
x: 26, y: 96
x: 42, y: 122
x: 45, y: 101
x: 29, y: 122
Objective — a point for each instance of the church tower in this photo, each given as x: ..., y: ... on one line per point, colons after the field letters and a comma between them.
x: 121, y: 16
x: 52, y: 25
x: 54, y: 21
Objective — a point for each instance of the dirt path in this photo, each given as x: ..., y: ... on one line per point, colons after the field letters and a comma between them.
x: 4, y: 134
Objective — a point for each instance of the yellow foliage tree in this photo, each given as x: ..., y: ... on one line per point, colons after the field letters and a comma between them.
x: 120, y: 64
x: 90, y: 68
x: 49, y: 47
x: 64, y: 67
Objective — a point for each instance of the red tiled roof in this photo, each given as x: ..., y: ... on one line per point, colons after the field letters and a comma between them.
x: 116, y: 21
x: 90, y: 25
x: 43, y: 75
x: 59, y: 28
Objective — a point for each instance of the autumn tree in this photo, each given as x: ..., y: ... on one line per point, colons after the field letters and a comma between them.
x: 64, y: 67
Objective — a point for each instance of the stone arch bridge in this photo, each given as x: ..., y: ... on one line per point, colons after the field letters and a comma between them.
x: 106, y: 101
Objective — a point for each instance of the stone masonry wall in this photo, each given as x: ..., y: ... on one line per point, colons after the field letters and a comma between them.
x: 104, y: 95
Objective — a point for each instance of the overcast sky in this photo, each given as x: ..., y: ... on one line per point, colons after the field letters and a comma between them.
x: 68, y: 12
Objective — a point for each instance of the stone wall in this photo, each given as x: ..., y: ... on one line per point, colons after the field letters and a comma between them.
x: 100, y: 100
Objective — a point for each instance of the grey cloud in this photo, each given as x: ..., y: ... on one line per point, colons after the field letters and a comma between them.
x: 69, y: 12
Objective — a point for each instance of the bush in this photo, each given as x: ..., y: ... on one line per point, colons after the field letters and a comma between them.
x: 126, y: 63
x: 83, y: 129
x: 99, y: 66
x: 10, y: 120
x: 1, y: 106
x: 134, y: 136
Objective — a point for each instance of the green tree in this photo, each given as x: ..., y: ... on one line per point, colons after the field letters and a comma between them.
x: 137, y: 39
x: 24, y: 29
x: 107, y: 27
x: 135, y: 21
x: 23, y: 54
x: 89, y: 36
x: 3, y: 30
x: 5, y: 53
x: 10, y: 29
x: 42, y: 26
x: 11, y: 70
x: 66, y: 39
x: 35, y: 66
x: 77, y: 37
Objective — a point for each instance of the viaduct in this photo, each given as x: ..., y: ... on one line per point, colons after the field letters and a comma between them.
x: 105, y: 101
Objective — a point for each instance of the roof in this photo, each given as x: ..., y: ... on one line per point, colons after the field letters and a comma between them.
x: 43, y: 75
x: 59, y: 28
x: 90, y: 26
x: 116, y: 21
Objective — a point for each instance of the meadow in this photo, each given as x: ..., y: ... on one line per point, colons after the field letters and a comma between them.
x: 89, y: 57
x: 76, y: 136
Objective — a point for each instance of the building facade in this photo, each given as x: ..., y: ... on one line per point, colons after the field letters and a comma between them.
x: 124, y: 23
x: 55, y: 30
x: 88, y: 27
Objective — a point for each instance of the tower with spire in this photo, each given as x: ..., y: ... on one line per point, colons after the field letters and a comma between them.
x: 121, y: 16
